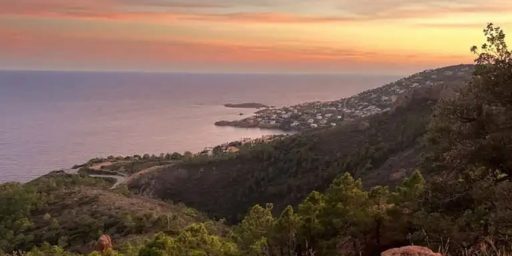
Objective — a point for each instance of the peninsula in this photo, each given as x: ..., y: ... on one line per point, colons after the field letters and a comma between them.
x: 246, y: 105
x: 313, y: 115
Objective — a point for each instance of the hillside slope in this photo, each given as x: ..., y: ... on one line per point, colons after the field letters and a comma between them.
x: 310, y: 115
x: 381, y: 149
x: 72, y: 211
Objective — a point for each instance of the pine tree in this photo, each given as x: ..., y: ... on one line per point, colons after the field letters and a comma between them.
x: 309, y: 215
x: 255, y: 230
x: 474, y: 128
x: 286, y: 230
x: 346, y: 217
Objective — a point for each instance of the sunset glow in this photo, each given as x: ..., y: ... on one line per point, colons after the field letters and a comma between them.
x: 385, y: 36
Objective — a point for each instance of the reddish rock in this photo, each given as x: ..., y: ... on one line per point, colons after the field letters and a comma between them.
x: 104, y: 243
x: 410, y: 251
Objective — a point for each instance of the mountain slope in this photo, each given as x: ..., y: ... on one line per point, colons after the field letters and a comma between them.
x: 381, y: 149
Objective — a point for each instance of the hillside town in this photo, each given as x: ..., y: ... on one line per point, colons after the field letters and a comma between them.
x: 314, y: 115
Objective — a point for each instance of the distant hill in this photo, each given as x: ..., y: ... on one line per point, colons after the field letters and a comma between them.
x: 381, y: 148
x: 313, y: 115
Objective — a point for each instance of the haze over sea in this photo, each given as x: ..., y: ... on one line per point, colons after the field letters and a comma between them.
x: 53, y: 120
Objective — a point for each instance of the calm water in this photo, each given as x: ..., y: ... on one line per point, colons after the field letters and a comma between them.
x: 53, y: 120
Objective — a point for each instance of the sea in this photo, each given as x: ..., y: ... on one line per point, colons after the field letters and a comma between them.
x: 53, y: 120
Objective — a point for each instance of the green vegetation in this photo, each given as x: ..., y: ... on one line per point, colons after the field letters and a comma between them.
x: 127, y: 165
x: 470, y: 141
x: 72, y: 211
x: 345, y: 219
x: 193, y: 240
x: 318, y: 225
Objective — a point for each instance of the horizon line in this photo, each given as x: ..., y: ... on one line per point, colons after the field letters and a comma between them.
x: 128, y: 71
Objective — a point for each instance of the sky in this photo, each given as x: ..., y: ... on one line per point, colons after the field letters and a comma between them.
x: 304, y: 36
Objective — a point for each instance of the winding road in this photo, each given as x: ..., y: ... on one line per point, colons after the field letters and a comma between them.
x: 120, y: 178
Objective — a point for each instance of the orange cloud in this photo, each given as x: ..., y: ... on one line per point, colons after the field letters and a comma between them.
x: 169, y: 11
x: 183, y: 55
x: 233, y: 34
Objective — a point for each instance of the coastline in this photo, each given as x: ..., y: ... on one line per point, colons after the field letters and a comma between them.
x: 113, y: 168
x: 127, y: 119
x: 314, y: 115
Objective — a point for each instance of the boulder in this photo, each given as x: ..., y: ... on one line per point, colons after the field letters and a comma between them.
x: 410, y: 251
x: 104, y: 243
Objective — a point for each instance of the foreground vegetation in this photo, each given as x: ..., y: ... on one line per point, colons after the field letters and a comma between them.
x: 72, y: 211
x: 462, y: 206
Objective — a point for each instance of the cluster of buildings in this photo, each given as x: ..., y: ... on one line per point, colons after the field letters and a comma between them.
x: 329, y: 114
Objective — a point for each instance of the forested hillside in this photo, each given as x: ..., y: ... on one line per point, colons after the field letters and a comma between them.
x: 381, y: 149
x: 72, y: 211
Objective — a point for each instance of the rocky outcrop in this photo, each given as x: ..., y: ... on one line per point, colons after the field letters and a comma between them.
x: 246, y: 105
x: 410, y: 251
x: 104, y: 243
